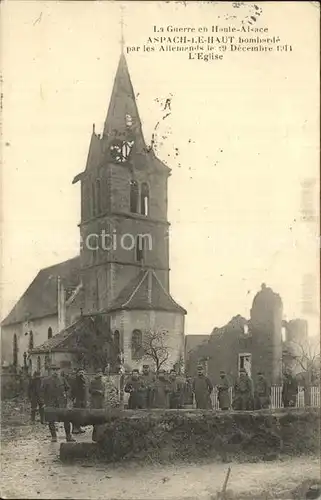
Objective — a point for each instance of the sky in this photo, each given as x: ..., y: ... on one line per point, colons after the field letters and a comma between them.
x: 242, y: 136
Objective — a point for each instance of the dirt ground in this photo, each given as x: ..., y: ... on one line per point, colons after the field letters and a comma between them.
x: 31, y: 469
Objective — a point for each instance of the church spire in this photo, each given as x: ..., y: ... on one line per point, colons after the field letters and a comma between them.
x: 123, y: 122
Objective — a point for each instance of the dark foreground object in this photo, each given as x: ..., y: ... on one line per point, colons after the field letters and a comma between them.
x: 85, y: 416
x: 79, y: 451
x: 195, y: 434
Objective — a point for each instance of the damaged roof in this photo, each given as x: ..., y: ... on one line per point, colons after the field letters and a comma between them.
x: 41, y: 297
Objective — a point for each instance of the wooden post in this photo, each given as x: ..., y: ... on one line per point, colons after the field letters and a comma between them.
x: 81, y: 416
x: 223, y: 493
x: 88, y: 416
x: 121, y: 380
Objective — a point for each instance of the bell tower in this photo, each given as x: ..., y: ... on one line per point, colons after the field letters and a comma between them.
x: 124, y: 226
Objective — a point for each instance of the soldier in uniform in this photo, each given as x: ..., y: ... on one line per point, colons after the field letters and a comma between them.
x: 289, y: 389
x: 97, y: 396
x: 36, y: 397
x: 202, y: 388
x: 262, y: 393
x: 148, y: 379
x: 176, y: 396
x: 223, y: 392
x: 55, y: 390
x: 161, y: 390
x: 135, y: 387
x: 79, y: 395
x: 243, y: 391
x: 97, y: 391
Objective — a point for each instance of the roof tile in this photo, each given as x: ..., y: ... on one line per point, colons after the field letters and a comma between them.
x: 40, y: 298
x: 58, y: 342
x: 145, y: 292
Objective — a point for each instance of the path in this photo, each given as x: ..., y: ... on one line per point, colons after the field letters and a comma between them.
x: 31, y: 468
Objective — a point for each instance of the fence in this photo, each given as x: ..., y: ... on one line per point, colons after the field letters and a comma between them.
x: 13, y: 385
x: 315, y: 396
x: 276, y: 397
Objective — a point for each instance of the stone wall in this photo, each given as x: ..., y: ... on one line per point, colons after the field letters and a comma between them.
x: 127, y: 321
x: 266, y: 330
x: 115, y: 218
x: 222, y: 350
x: 39, y: 328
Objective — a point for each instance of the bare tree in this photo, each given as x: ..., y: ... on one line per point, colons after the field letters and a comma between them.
x: 155, y: 346
x: 304, y: 359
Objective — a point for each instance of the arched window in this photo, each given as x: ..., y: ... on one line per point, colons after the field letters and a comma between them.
x: 38, y: 364
x: 144, y: 199
x: 98, y: 195
x: 117, y: 340
x: 15, y: 350
x: 137, y: 342
x: 140, y: 248
x: 93, y: 200
x: 134, y: 192
x: 30, y: 340
x: 49, y: 332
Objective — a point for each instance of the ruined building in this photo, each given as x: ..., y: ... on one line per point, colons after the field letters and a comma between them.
x: 252, y: 344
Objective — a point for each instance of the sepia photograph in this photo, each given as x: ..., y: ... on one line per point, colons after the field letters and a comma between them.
x: 160, y: 245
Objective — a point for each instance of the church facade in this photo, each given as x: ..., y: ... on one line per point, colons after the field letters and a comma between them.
x: 123, y: 269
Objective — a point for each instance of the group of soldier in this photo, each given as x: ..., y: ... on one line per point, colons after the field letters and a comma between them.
x: 57, y: 390
x: 150, y: 390
x: 161, y: 390
x: 249, y: 395
x: 147, y: 390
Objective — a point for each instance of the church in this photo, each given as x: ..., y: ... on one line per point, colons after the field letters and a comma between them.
x: 118, y: 288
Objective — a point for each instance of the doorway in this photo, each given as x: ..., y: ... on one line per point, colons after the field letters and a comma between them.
x: 245, y: 362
